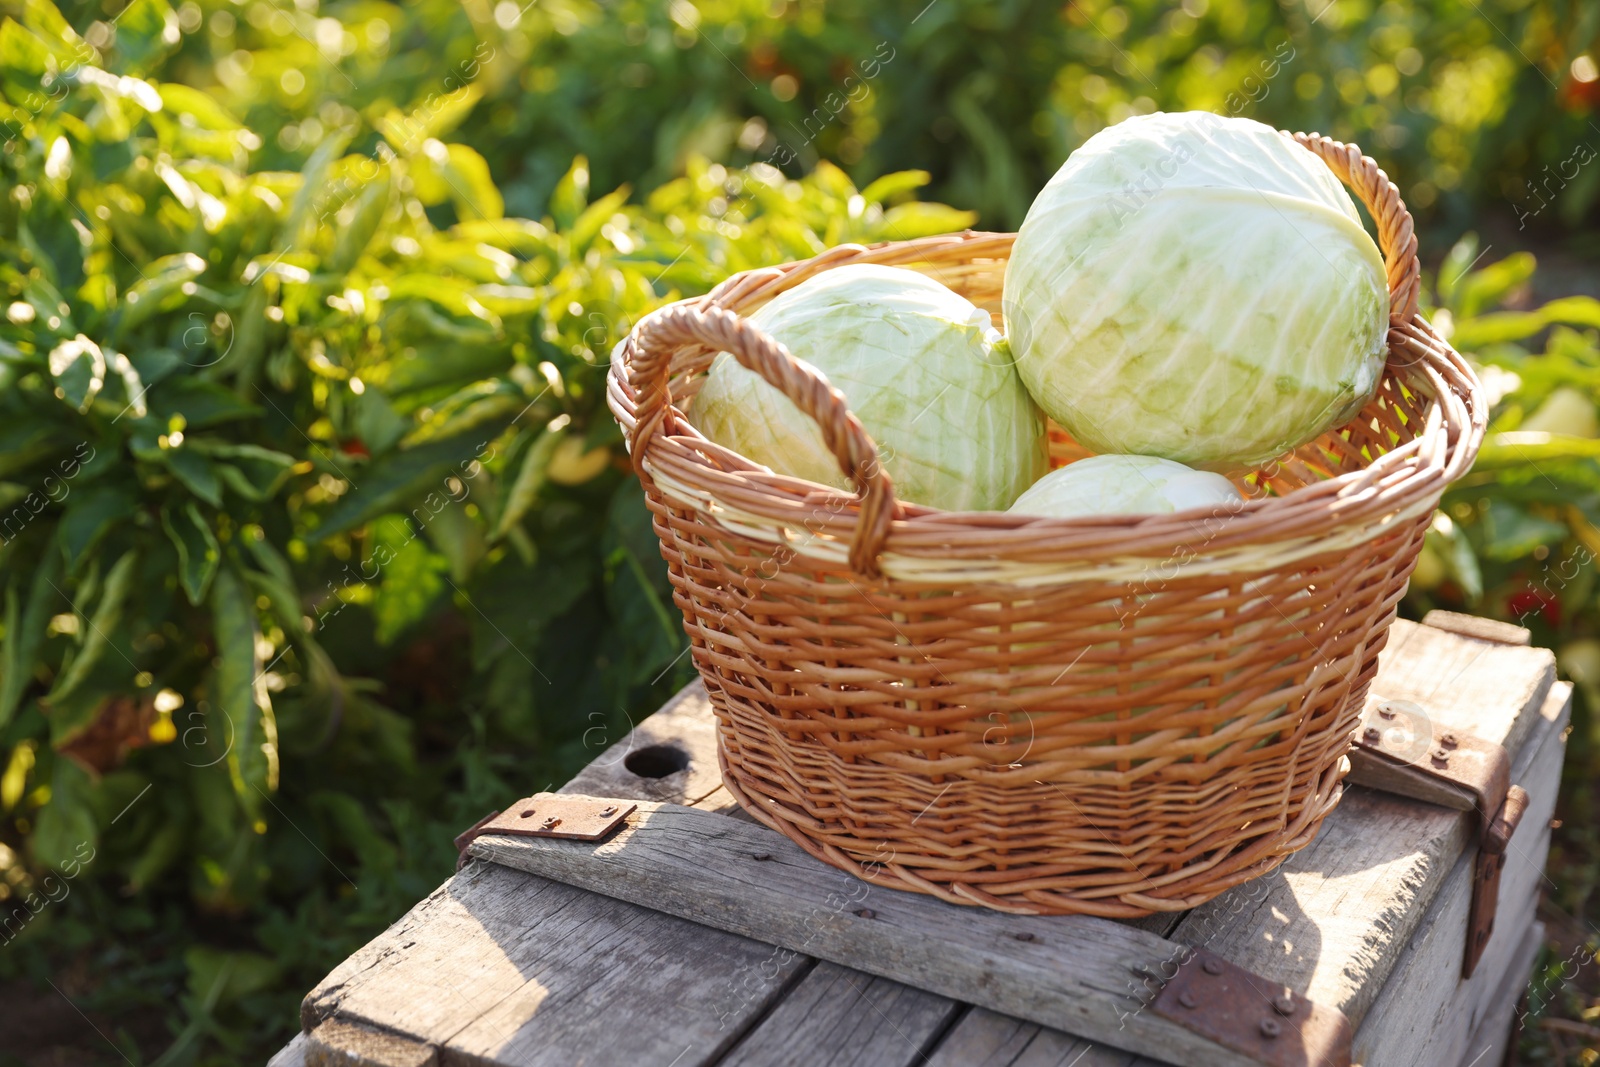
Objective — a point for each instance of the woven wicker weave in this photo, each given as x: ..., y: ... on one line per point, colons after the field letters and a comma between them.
x: 1109, y: 716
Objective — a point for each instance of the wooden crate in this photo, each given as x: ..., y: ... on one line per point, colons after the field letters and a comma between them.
x: 693, y: 936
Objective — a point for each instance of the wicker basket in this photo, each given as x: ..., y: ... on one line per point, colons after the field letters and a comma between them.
x: 1110, y: 716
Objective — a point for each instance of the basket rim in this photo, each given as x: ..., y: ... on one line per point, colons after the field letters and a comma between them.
x: 1328, y: 515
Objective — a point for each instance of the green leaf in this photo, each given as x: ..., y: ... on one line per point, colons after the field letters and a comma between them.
x: 239, y: 691
x: 893, y: 185
x: 455, y: 534
x: 1531, y: 447
x: 146, y: 31
x: 400, y: 478
x: 21, y: 51
x: 253, y: 472
x: 371, y: 204
x: 468, y: 407
x: 102, y: 624
x: 1510, y: 533
x: 412, y: 577
x: 905, y: 222
x: 89, y: 514
x: 530, y: 479
x: 312, y: 190
x: 25, y: 634
x: 198, y: 551
x: 571, y: 194
x: 218, y: 978
x: 79, y: 369
x: 201, y: 403
x: 1488, y: 285
x: 160, y: 289
x: 197, y: 473
x: 471, y: 186
x: 67, y: 834
x: 595, y: 216
x: 437, y: 117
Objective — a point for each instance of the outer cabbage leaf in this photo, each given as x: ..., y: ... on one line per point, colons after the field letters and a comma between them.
x: 923, y: 369
x: 1198, y: 288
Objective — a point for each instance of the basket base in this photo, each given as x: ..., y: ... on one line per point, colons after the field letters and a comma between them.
x: 1026, y: 889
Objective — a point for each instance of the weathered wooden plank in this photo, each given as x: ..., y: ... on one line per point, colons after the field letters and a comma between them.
x: 337, y: 1043
x: 1407, y: 1027
x: 1505, y: 633
x: 1070, y: 972
x: 1332, y: 921
x: 985, y: 1038
x: 681, y: 735
x: 499, y: 966
x: 839, y: 1016
x: 291, y: 1055
x: 1497, y: 1030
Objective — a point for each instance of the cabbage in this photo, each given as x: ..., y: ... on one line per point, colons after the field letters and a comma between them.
x: 1126, y: 485
x: 924, y: 370
x: 1198, y: 288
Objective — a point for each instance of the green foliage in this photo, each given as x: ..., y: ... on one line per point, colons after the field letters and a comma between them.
x: 1466, y: 104
x: 313, y: 514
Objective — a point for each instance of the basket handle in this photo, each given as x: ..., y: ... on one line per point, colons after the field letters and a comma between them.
x: 696, y: 322
x: 1396, y: 234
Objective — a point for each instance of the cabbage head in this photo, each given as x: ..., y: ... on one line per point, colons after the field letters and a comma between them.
x: 925, y: 371
x: 1198, y: 288
x: 1126, y: 485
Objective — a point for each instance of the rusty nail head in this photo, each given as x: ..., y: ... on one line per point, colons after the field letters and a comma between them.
x: 1283, y: 1003
x: 1212, y: 966
x: 608, y: 811
x: 1188, y: 999
x: 1270, y: 1028
x: 1385, y: 711
x: 1441, y: 757
x: 551, y: 822
x: 1371, y: 734
x: 1448, y: 741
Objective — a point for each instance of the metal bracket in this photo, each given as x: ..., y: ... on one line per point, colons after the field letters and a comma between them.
x: 1242, y: 1011
x: 1397, y: 751
x: 576, y: 818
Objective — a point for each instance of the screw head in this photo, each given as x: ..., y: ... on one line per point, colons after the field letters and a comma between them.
x: 608, y: 811
x: 1371, y: 735
x: 550, y: 823
x: 1270, y: 1028
x: 1385, y: 711
x: 1211, y: 966
x: 1283, y: 1003
x: 1441, y: 757
x: 1448, y: 741
x: 1188, y: 999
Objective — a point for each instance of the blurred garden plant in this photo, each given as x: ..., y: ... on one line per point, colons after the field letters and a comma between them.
x: 1519, y: 539
x: 315, y: 536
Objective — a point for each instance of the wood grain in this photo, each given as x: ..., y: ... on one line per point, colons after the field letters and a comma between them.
x: 1332, y: 921
x: 499, y: 966
x: 337, y: 1043
x: 839, y: 1016
x: 1406, y: 1027
x: 684, y: 723
x: 1072, y: 972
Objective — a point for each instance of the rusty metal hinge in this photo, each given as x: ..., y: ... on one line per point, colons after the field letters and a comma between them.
x: 576, y: 818
x: 1263, y: 1020
x: 1397, y: 751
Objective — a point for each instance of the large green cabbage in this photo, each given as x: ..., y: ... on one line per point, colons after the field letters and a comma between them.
x: 1198, y: 288
x: 1126, y: 485
x: 923, y: 369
